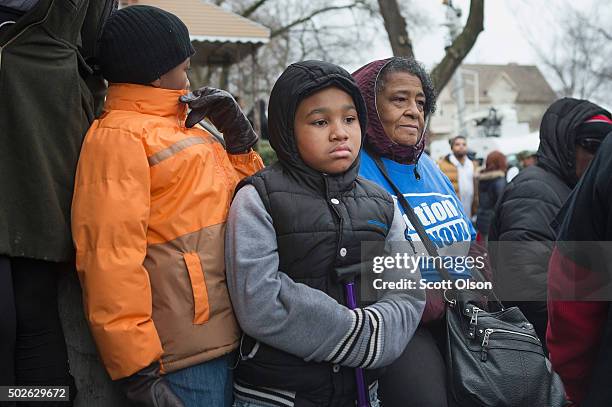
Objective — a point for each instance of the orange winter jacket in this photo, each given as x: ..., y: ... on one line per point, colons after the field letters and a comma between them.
x: 148, y: 217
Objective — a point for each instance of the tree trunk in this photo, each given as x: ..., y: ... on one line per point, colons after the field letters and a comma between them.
x: 396, y: 28
x: 460, y: 47
x: 224, y: 78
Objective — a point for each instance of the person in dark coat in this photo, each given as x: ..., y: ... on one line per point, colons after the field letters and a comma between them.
x: 491, y: 183
x: 579, y: 335
x: 570, y: 133
x: 48, y: 100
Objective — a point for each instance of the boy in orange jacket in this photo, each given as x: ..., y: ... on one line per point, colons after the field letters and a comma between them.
x: 150, y: 204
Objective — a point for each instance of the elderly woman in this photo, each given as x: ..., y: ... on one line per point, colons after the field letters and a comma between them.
x: 400, y: 99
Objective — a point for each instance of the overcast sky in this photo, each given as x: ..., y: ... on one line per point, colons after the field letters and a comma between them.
x: 505, y: 36
x: 508, y: 26
x: 501, y: 41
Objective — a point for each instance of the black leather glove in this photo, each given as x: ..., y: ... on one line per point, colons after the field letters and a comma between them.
x: 146, y: 388
x: 223, y: 111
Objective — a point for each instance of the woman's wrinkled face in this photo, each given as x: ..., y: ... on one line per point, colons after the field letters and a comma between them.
x: 327, y: 130
x: 401, y: 107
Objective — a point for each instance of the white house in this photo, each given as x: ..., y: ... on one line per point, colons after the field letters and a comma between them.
x: 519, y: 94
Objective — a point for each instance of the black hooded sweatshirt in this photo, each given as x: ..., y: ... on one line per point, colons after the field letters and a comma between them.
x: 527, y: 207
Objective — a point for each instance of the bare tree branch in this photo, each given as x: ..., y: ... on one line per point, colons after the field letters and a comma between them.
x: 395, y: 24
x: 315, y: 13
x: 460, y: 47
x: 252, y: 8
x: 578, y: 57
x: 337, y: 26
x: 605, y: 34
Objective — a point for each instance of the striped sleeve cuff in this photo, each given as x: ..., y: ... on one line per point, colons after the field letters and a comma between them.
x: 362, y: 345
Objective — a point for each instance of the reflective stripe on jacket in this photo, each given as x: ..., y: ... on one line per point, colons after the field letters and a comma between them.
x: 149, y: 211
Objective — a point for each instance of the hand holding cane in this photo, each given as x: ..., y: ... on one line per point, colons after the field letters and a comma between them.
x: 347, y: 276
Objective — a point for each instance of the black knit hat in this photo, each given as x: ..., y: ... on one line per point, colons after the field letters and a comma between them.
x: 141, y: 43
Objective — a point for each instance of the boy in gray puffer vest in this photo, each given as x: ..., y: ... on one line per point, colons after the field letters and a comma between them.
x: 291, y: 227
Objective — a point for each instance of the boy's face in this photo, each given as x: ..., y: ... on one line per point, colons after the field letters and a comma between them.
x: 327, y: 130
x: 176, y: 78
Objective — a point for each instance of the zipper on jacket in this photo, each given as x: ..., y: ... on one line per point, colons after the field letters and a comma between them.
x: 488, y: 332
x: 336, y: 211
x: 24, y: 30
x: 473, y: 322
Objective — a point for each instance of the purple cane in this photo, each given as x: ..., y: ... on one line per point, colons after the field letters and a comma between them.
x: 362, y: 398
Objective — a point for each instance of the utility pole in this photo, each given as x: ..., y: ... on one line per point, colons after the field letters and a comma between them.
x: 453, y: 23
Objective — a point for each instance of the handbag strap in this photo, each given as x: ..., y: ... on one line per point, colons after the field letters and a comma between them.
x: 414, y: 220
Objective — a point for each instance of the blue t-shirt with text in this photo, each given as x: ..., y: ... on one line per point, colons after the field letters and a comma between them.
x: 434, y: 202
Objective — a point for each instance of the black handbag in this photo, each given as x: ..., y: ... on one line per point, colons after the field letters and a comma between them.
x: 492, y: 358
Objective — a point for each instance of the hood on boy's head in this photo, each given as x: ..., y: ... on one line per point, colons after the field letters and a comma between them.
x: 297, y: 82
x: 376, y: 139
x: 557, y: 151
